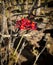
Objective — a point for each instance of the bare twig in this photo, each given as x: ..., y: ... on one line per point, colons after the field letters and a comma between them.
x: 39, y: 55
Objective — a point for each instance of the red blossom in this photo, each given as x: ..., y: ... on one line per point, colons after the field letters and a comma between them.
x: 33, y: 25
x: 26, y: 24
x: 18, y: 23
x: 22, y: 27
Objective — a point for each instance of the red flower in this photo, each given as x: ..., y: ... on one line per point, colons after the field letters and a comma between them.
x: 18, y: 23
x: 33, y: 25
x: 22, y: 27
x: 26, y: 24
x: 23, y: 21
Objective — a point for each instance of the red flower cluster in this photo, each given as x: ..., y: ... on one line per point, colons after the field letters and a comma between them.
x: 26, y: 24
